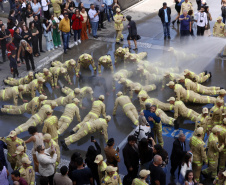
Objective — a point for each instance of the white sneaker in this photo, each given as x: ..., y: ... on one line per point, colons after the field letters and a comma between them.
x: 56, y: 47
x: 76, y: 43
x: 59, y: 46
x: 2, y: 11
x: 52, y: 49
x: 79, y: 41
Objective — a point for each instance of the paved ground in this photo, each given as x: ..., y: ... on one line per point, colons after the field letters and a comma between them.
x: 197, y: 55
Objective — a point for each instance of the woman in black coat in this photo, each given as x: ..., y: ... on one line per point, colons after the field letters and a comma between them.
x: 132, y: 28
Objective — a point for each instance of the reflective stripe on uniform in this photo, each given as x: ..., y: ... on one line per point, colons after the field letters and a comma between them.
x: 3, y: 95
x: 188, y: 94
x: 62, y: 100
x: 94, y: 114
x: 126, y: 105
x: 66, y: 117
x: 189, y: 112
x: 38, y: 117
x: 88, y: 124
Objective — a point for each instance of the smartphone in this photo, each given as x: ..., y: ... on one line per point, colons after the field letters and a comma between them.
x: 117, y: 149
x: 92, y: 138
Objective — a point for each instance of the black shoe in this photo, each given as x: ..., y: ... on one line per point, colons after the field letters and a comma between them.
x: 169, y: 37
x: 64, y: 145
x: 173, y: 22
x: 176, y: 125
x: 135, y: 49
x: 165, y: 38
x: 42, y: 51
x: 72, y: 132
x: 221, y: 88
x: 121, y: 39
x: 103, y: 28
x: 68, y: 48
x: 178, y: 22
x: 205, y: 72
x: 117, y: 42
x: 99, y: 29
x: 65, y: 52
x: 210, y: 74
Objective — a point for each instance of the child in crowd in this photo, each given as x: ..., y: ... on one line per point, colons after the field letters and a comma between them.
x: 13, y: 64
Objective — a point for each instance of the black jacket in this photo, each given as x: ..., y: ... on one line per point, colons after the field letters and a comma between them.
x: 162, y: 14
x: 132, y: 28
x: 177, y: 154
x: 131, y: 157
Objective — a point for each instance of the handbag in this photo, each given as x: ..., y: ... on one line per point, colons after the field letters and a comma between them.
x: 138, y: 37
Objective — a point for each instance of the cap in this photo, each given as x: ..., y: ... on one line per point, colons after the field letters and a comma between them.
x: 144, y: 173
x: 53, y: 103
x: 40, y: 79
x: 25, y: 160
x: 118, y: 10
x: 63, y: 70
x: 224, y: 173
x: 12, y: 134
x: 186, y: 71
x: 42, y: 97
x: 171, y: 83
x: 219, y: 18
x: 119, y: 49
x: 21, y: 87
x: 99, y: 158
x: 143, y: 96
x: 110, y: 141
x: 199, y: 130
x: 72, y: 62
x: 47, y: 137
x: 137, y: 88
x: 205, y: 110
x: 224, y: 121
x: 181, y: 78
x: 53, y: 63
x: 122, y: 80
x: 119, y: 93
x: 19, y: 149
x: 77, y: 90
x: 132, y: 57
x: 49, y: 111
x: 222, y: 91
x: 140, y: 68
x: 75, y: 100
x: 45, y: 70
x: 101, y: 97
x: 171, y: 99
x: 30, y: 73
x: 104, y: 59
x: 89, y: 89
x: 108, y: 118
x: 167, y: 73
x: 111, y: 169
x: 86, y: 56
x: 219, y: 100
x: 216, y: 129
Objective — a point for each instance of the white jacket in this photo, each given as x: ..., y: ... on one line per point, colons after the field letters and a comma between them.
x: 46, y: 163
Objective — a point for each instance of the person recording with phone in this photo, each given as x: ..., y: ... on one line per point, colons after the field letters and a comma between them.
x: 202, y: 21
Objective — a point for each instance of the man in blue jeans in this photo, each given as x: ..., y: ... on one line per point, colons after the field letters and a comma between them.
x: 165, y: 16
x: 109, y: 9
x: 185, y: 26
x: 94, y: 19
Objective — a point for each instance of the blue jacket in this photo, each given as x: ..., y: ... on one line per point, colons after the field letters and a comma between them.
x: 2, y: 156
x: 147, y: 114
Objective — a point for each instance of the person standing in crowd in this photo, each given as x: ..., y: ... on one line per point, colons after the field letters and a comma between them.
x: 4, y: 35
x: 26, y: 35
x: 90, y: 158
x: 85, y: 23
x: 202, y: 21
x: 185, y: 27
x: 56, y: 7
x: 45, y: 8
x: 190, y: 13
x: 131, y: 156
x: 186, y: 5
x: 99, y: 6
x: 1, y: 5
x: 64, y: 27
x: 16, y: 39
x: 119, y: 18
x: 209, y: 18
x: 29, y: 14
x: 12, y: 18
x: 38, y: 25
x: 73, y: 163
x: 143, y: 176
x: 4, y: 173
x: 46, y: 162
x: 219, y: 28
x: 165, y: 16
x: 115, y: 5
x: 15, y: 175
x: 56, y: 32
x: 77, y: 26
x: 13, y: 64
x: 37, y: 139
x: 36, y: 7
x: 111, y: 154
x: 158, y: 150
x: 26, y: 50
x: 34, y: 33
x: 223, y: 11
x: 10, y: 47
x: 94, y: 19
x: 177, y: 8
x: 2, y: 155
x: 189, y: 178
x: 62, y: 177
x: 82, y: 175
x: 47, y: 26
x: 177, y: 154
x: 109, y: 9
x: 132, y: 28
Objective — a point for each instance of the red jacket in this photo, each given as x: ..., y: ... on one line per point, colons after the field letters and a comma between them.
x: 77, y: 22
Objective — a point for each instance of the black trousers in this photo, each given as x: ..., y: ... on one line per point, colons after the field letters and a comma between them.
x: 101, y: 20
x: 29, y: 57
x: 174, y: 166
x: 200, y: 31
x: 35, y: 44
x: 3, y: 52
x: 134, y: 172
x: 51, y: 179
x: 40, y: 41
x: 15, y: 72
x: 46, y: 14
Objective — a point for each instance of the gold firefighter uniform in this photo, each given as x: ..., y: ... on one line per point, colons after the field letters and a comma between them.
x: 122, y: 73
x: 57, y: 71
x: 98, y: 108
x: 169, y: 77
x: 70, y: 65
x: 128, y: 108
x: 199, y: 155
x: 118, y: 18
x: 67, y: 117
x: 203, y: 122
x: 35, y: 120
x: 198, y: 88
x: 36, y: 84
x: 200, y: 78
x: 158, y: 129
x: 84, y: 61
x: 28, y: 174
x: 219, y: 29
x: 51, y: 127
x: 119, y: 54
x: 216, y: 116
x: 181, y: 109
x: 148, y: 77
x: 186, y: 6
x: 19, y: 160
x: 213, y: 154
x: 8, y: 93
x: 11, y: 147
x: 46, y: 75
x: 53, y: 144
x: 114, y: 180
x: 99, y: 124
x: 222, y: 141
x: 63, y: 101
x: 106, y: 62
x: 31, y: 107
x: 15, y: 82
x: 133, y: 58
